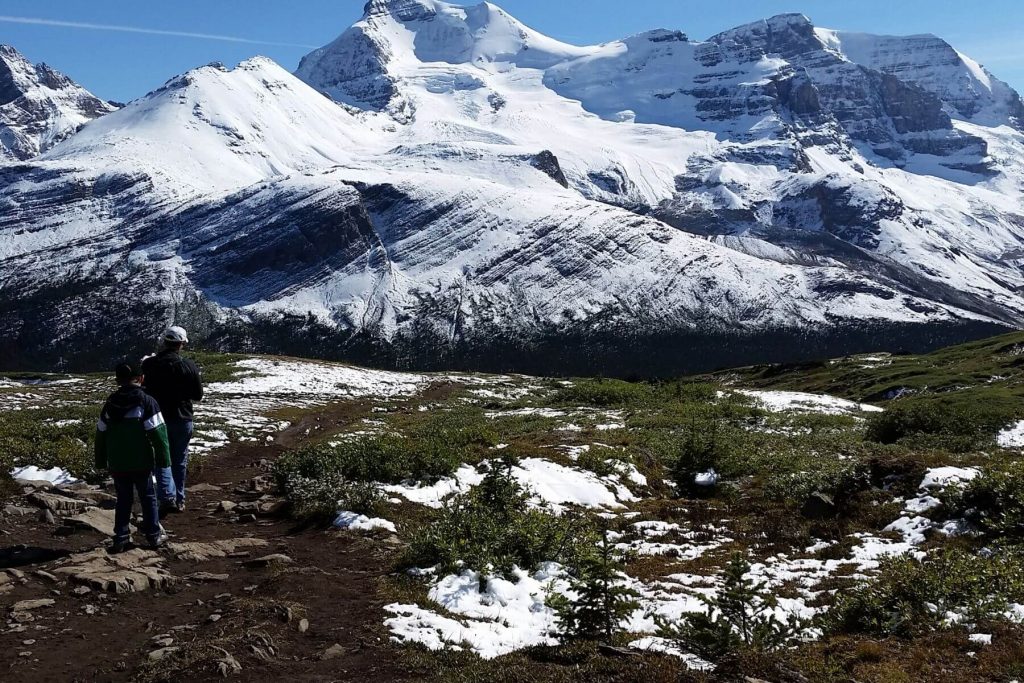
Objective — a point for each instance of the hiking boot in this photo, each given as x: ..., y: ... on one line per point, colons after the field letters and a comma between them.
x: 158, y: 541
x: 179, y: 506
x: 167, y: 507
x: 119, y: 546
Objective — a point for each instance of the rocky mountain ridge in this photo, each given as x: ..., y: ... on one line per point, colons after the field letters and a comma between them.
x: 442, y: 185
x: 39, y: 106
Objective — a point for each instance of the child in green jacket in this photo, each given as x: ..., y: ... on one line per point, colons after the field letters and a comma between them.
x: 131, y: 440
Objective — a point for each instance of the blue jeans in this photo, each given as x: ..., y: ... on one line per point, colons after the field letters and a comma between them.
x: 171, y: 480
x: 127, y: 485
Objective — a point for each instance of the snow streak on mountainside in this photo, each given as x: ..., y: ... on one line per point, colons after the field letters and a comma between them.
x: 444, y: 185
x: 39, y: 107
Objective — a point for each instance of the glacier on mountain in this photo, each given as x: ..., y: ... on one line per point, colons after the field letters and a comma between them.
x: 442, y: 185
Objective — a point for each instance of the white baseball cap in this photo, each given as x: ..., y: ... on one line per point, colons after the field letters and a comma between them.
x: 176, y: 334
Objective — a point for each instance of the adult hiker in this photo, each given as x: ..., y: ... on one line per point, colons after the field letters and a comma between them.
x: 175, y: 383
x: 131, y: 439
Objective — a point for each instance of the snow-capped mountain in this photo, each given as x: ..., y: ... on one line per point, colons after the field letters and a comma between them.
x: 443, y: 185
x: 39, y: 106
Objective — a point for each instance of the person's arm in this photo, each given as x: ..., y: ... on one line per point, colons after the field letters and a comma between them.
x: 197, y: 383
x: 156, y: 432
x: 100, y: 449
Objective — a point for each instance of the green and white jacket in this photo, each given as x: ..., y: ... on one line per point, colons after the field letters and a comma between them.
x: 131, y: 435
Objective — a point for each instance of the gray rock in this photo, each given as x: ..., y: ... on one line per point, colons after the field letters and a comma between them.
x: 157, y: 655
x: 128, y: 572
x: 57, y: 503
x: 818, y: 505
x: 29, y: 605
x: 207, y: 577
x: 226, y: 506
x: 16, y: 511
x: 201, y: 552
x: 268, y: 560
x: 333, y: 652
x: 95, y: 519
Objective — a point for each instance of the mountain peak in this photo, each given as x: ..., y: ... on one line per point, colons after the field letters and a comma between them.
x: 404, y: 10
x: 39, y: 106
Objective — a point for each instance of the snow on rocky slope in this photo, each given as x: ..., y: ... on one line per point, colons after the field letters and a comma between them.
x: 39, y: 106
x: 443, y: 184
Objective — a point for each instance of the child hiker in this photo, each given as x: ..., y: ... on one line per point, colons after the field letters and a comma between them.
x: 131, y: 440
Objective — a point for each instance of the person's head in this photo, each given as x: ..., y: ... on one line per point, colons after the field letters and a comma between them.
x: 128, y: 373
x: 174, y: 338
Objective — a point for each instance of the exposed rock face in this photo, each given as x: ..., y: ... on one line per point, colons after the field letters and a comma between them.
x: 470, y: 191
x: 39, y: 106
x: 128, y: 572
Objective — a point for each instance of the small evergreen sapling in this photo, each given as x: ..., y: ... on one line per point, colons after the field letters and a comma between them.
x: 741, y: 615
x: 604, y: 601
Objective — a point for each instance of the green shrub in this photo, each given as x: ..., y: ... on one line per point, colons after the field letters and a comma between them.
x: 492, y: 528
x: 603, y: 393
x: 740, y: 615
x: 430, y: 450
x: 953, y: 426
x: 602, y: 461
x: 319, y: 499
x: 49, y: 437
x: 992, y: 501
x: 909, y: 597
x: 703, y: 447
x: 603, y: 599
x: 838, y: 479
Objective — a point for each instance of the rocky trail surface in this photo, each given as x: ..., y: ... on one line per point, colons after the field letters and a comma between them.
x: 239, y: 588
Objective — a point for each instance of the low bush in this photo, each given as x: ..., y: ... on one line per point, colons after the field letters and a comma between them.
x: 492, y: 528
x: 602, y: 461
x: 993, y: 501
x: 49, y: 437
x: 909, y: 597
x: 838, y: 479
x: 430, y: 450
x: 603, y: 393
x: 319, y: 499
x: 953, y: 426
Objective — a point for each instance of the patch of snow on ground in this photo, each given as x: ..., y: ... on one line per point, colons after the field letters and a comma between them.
x: 1012, y: 436
x: 357, y: 522
x: 55, y: 475
x: 434, y: 495
x: 782, y: 401
x: 298, y: 379
x: 506, y: 615
x: 941, y: 477
x: 558, y: 485
x: 667, y: 647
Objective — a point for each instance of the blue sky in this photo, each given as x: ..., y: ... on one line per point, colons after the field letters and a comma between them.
x: 123, y: 65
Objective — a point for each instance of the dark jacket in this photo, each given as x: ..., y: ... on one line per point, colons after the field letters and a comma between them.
x: 131, y: 435
x: 174, y: 382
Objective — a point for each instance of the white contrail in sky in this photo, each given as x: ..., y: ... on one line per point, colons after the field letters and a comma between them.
x: 136, y: 29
